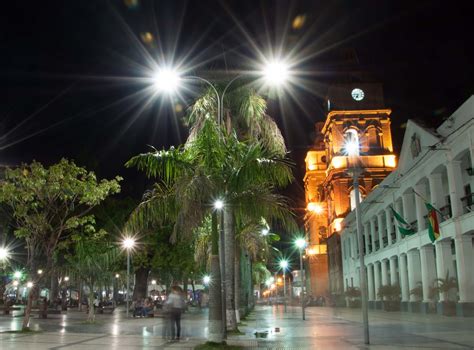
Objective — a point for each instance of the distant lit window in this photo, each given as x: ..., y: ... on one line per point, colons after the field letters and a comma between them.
x: 351, y: 142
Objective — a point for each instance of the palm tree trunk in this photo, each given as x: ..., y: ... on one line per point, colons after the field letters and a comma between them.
x: 237, y: 281
x: 91, y: 314
x: 216, y: 333
x: 229, y: 248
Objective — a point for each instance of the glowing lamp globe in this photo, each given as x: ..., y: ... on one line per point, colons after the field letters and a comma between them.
x: 276, y: 73
x: 218, y: 204
x: 166, y: 80
x: 300, y: 243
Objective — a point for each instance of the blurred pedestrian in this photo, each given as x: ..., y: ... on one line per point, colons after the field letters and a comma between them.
x: 176, y: 306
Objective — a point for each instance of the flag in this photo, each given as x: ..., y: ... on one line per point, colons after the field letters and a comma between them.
x: 403, y: 226
x: 433, y: 224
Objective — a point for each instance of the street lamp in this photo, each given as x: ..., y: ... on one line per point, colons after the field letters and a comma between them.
x: 276, y: 72
x: 219, y: 206
x: 265, y: 231
x: 352, y: 150
x: 4, y: 254
x: 128, y: 243
x: 301, y: 244
x: 284, y: 266
x: 17, y: 274
x: 206, y: 280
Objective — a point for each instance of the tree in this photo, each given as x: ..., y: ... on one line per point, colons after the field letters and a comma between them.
x: 217, y: 164
x: 47, y: 205
x: 93, y: 261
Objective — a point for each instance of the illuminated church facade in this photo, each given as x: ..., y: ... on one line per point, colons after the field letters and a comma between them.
x: 356, y: 117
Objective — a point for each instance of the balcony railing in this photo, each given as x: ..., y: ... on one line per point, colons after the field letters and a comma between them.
x: 468, y: 203
x: 446, y: 213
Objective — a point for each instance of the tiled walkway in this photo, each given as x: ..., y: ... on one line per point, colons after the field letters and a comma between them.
x: 324, y: 328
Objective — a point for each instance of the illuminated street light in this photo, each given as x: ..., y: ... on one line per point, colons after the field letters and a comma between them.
x: 117, y: 275
x: 39, y: 272
x: 66, y: 279
x: 17, y: 274
x: 166, y: 80
x: 276, y: 73
x: 265, y: 231
x: 4, y: 254
x: 218, y: 204
x: 29, y: 284
x: 351, y: 148
x: 153, y: 282
x: 300, y: 243
x: 206, y: 279
x: 128, y: 243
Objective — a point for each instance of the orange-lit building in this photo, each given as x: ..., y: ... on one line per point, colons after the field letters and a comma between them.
x: 356, y: 115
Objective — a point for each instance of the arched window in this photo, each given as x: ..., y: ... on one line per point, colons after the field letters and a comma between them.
x: 351, y: 142
x: 373, y: 138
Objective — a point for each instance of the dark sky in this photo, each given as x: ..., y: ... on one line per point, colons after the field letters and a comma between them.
x: 69, y: 69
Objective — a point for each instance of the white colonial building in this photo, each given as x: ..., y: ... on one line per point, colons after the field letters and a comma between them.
x: 436, y: 166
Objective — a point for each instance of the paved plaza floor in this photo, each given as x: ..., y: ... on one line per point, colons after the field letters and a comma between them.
x: 324, y: 328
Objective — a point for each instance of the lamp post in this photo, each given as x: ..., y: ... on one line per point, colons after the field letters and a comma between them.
x: 219, y: 205
x: 301, y: 244
x: 128, y: 243
x: 284, y: 266
x: 352, y: 150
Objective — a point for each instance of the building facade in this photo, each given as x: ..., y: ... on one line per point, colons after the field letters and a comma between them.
x: 355, y: 116
x: 436, y: 166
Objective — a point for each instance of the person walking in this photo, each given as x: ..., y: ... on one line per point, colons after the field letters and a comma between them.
x: 175, y: 303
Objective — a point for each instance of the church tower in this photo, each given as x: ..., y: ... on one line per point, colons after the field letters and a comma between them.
x: 356, y: 117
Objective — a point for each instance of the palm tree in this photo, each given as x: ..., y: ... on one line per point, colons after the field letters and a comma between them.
x: 93, y: 262
x: 215, y: 164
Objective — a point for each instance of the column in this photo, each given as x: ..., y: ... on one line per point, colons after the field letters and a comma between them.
x: 353, y: 239
x: 373, y: 234
x: 367, y: 238
x: 413, y: 263
x: 436, y: 184
x: 404, y: 277
x: 420, y: 206
x: 388, y: 222
x: 465, y: 264
x: 377, y: 279
x: 393, y: 271
x: 444, y: 261
x: 408, y: 207
x: 381, y: 228
x: 455, y: 186
x: 370, y: 281
x: 383, y: 267
x: 428, y: 270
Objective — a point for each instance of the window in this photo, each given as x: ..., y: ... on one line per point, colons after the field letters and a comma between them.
x: 372, y: 138
x: 351, y: 142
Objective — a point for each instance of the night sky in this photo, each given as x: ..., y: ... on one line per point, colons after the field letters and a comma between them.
x: 70, y: 70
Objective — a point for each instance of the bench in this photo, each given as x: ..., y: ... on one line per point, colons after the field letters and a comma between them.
x: 6, y: 309
x: 44, y: 313
x: 105, y: 309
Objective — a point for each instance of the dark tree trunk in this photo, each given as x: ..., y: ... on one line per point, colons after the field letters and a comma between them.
x: 141, y: 283
x: 216, y: 329
x: 54, y: 294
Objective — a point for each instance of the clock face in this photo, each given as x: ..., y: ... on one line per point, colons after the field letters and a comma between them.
x: 357, y: 94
